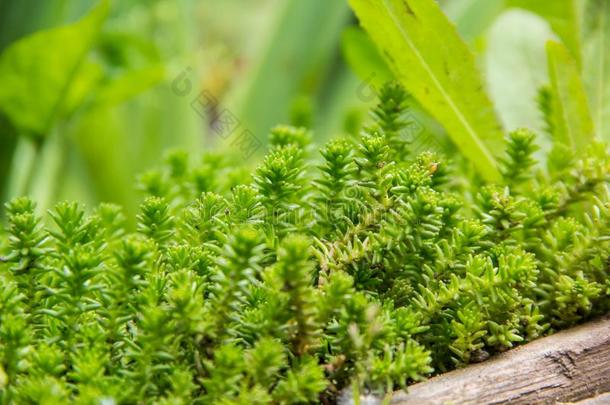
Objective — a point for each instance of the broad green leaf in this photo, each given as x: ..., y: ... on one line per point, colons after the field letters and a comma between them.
x: 562, y: 15
x: 430, y: 59
x: 571, y: 119
x: 515, y: 67
x: 362, y: 56
x: 597, y: 63
x: 37, y: 72
x: 90, y: 74
x: 128, y: 85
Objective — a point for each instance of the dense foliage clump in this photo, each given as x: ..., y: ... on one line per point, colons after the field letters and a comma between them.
x: 368, y: 268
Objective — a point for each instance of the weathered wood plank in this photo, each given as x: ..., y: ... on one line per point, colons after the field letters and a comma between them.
x: 569, y: 366
x: 601, y: 399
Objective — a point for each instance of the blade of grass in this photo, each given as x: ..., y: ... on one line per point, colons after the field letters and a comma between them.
x: 294, y: 61
x: 597, y: 63
x: 571, y: 118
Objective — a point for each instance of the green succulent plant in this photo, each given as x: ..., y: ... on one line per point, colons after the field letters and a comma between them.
x: 367, y: 267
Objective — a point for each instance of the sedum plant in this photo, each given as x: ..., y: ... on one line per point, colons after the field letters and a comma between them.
x: 366, y: 267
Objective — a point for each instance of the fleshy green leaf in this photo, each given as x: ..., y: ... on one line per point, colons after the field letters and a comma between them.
x: 597, y: 63
x: 571, y: 119
x: 433, y: 63
x: 38, y: 70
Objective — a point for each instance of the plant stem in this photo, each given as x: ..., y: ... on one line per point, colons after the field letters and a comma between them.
x: 20, y: 173
x: 47, y: 169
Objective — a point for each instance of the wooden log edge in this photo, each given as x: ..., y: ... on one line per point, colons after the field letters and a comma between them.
x: 568, y: 366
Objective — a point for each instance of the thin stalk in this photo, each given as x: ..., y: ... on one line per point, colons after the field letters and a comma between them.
x: 26, y: 154
x: 47, y: 169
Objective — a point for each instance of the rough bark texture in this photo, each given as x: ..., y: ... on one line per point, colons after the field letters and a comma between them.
x: 569, y: 366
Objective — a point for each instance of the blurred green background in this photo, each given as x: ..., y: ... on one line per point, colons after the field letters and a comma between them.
x: 138, y: 77
x: 93, y: 92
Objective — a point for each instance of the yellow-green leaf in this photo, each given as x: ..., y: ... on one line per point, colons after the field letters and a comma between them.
x: 429, y: 58
x: 597, y: 63
x: 571, y: 119
x: 37, y: 72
